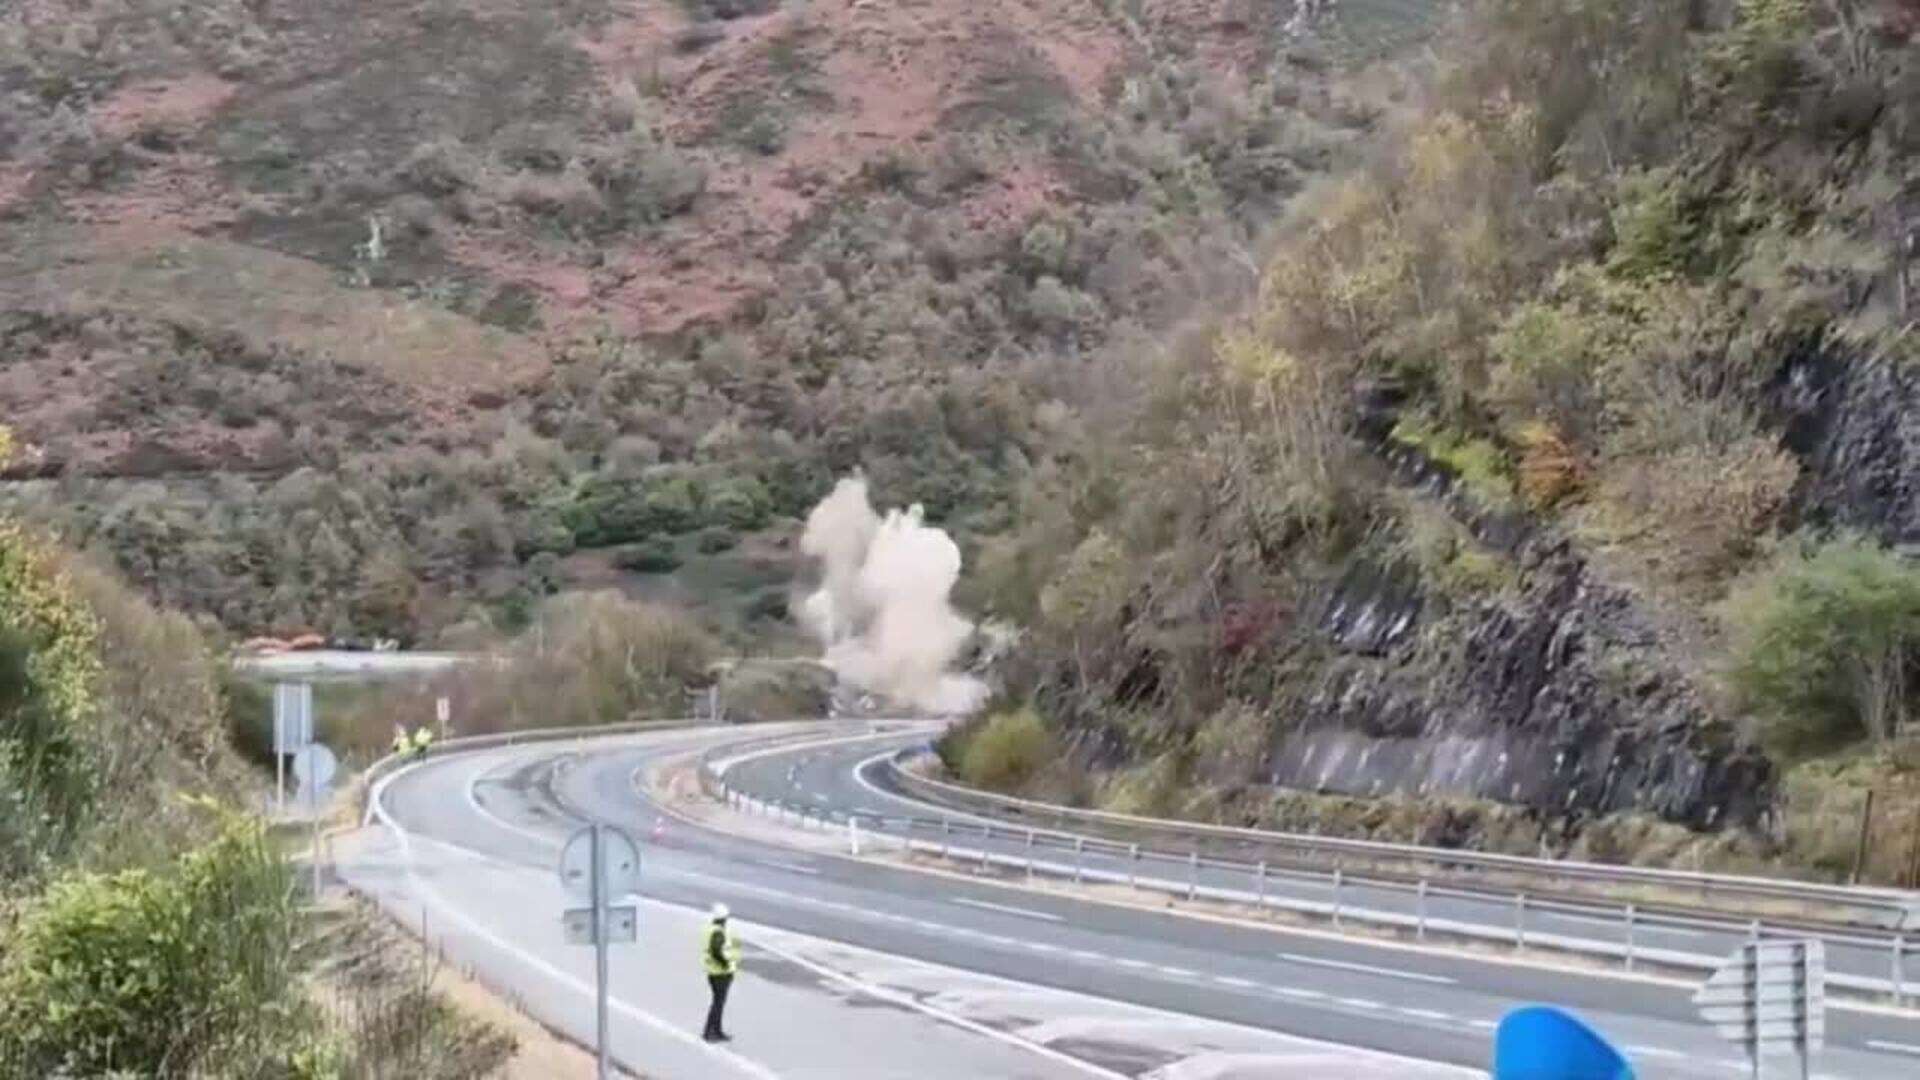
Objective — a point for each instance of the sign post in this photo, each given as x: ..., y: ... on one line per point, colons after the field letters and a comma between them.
x: 292, y: 729
x: 443, y: 712
x: 1770, y: 998
x: 598, y: 863
x: 314, y: 767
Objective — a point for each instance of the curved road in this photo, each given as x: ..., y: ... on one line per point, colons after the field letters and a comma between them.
x: 871, y: 969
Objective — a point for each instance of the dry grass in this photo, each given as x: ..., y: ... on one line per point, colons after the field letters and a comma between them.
x: 272, y: 302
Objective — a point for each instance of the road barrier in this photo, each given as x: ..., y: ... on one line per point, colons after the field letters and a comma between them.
x: 1838, y: 905
x: 1031, y: 851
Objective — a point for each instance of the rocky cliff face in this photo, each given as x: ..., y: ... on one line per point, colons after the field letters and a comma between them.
x: 1856, y: 427
x: 1555, y: 699
x: 1559, y: 696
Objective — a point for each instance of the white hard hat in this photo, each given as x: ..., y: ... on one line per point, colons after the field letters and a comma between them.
x: 720, y: 911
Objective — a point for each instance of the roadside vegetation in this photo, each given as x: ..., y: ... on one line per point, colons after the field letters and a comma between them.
x: 148, y: 925
x: 1568, y: 289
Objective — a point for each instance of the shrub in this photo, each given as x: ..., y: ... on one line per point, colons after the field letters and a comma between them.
x: 1825, y: 645
x: 739, y: 502
x: 652, y: 556
x: 715, y: 539
x: 49, y: 697
x: 1007, y: 750
x: 176, y: 971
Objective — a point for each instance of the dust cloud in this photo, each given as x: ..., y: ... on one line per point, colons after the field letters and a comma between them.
x: 882, y: 611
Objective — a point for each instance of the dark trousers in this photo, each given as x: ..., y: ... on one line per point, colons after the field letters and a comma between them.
x: 720, y: 985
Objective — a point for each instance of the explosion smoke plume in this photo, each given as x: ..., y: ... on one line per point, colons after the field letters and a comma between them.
x: 882, y: 610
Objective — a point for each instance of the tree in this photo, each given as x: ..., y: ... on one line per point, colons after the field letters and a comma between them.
x: 1826, y: 645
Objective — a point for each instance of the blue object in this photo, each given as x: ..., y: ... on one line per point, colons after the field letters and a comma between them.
x: 1540, y: 1042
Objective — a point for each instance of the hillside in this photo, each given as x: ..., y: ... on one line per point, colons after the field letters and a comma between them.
x: 387, y: 321
x: 1555, y: 492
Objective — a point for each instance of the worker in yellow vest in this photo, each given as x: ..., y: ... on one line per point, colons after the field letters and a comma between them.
x: 402, y: 746
x: 422, y: 739
x: 720, y: 954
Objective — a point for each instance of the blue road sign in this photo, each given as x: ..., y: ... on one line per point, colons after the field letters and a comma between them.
x: 1540, y: 1042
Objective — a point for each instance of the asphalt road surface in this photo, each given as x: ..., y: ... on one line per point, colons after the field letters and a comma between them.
x: 866, y: 969
x: 848, y: 778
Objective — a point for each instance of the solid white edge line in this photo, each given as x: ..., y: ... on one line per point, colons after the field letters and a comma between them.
x: 377, y: 806
x: 1369, y: 1052
x: 1896, y: 1047
x: 1368, y: 969
x: 1007, y: 909
x: 908, y: 1001
x: 790, y: 867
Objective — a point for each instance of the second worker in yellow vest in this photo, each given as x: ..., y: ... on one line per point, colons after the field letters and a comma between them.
x: 720, y: 955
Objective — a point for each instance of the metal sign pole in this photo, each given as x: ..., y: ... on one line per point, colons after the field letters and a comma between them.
x: 313, y: 813
x: 600, y: 941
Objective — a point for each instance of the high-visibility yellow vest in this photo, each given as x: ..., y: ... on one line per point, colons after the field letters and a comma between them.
x: 729, y: 961
x: 422, y: 738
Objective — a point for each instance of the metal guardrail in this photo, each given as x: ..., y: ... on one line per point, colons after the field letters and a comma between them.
x: 1079, y: 858
x: 1885, y: 909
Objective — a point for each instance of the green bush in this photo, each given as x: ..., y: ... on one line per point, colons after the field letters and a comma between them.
x: 49, y: 688
x: 654, y: 556
x: 1007, y: 750
x: 739, y: 502
x: 1825, y: 645
x: 715, y: 539
x: 184, y: 970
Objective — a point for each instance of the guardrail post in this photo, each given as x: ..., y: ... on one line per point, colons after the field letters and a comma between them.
x: 1193, y: 873
x: 1420, y: 911
x: 1899, y: 968
x: 1029, y: 856
x: 1133, y: 867
x: 1520, y: 920
x: 1336, y: 898
x: 946, y: 844
x: 983, y: 851
x: 1260, y: 898
x: 853, y: 834
x: 1079, y: 852
x: 1753, y: 932
x: 1629, y: 937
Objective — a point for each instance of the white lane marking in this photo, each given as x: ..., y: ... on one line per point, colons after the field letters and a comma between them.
x: 1007, y: 909
x: 1177, y: 972
x: 780, y: 865
x: 914, y: 1003
x: 1127, y: 961
x: 1296, y: 992
x: 1654, y: 1051
x: 379, y: 810
x: 1088, y: 955
x: 1427, y: 1014
x: 1359, y: 1003
x: 473, y: 800
x: 1344, y: 965
x: 1896, y: 1047
x: 1484, y: 1025
x: 1237, y: 983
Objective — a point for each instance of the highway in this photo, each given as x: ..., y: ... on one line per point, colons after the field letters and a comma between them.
x: 852, y: 778
x: 868, y: 968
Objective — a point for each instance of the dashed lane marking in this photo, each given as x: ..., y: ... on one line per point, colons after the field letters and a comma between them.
x: 1008, y: 909
x: 1896, y: 1047
x: 1369, y: 969
x: 1359, y: 1003
x: 778, y: 864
